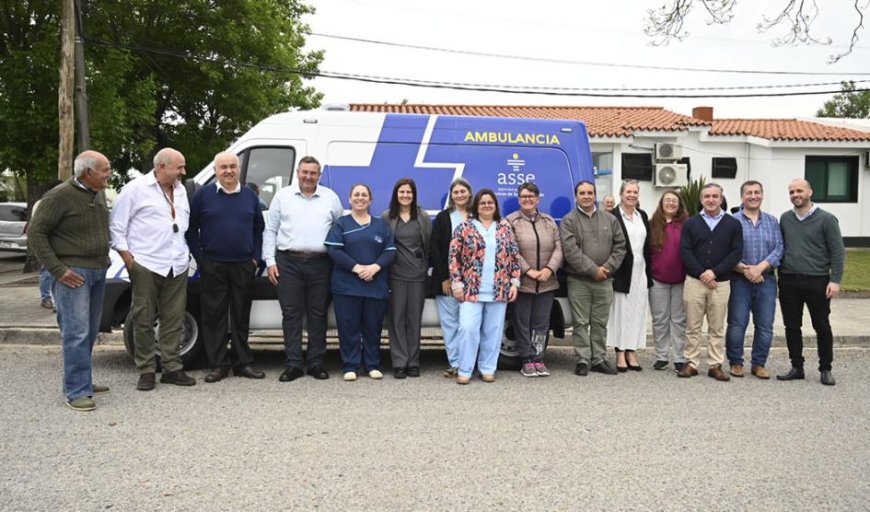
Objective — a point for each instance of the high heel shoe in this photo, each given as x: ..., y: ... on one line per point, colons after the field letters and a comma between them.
x: 634, y: 368
x: 620, y: 369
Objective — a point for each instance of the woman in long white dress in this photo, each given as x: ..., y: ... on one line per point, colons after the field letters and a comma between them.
x: 626, y: 327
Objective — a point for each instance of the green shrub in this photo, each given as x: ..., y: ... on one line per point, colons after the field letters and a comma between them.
x: 691, y: 195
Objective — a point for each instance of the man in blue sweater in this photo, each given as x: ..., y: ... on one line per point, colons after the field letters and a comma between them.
x: 225, y: 237
x: 811, y: 270
x: 710, y: 246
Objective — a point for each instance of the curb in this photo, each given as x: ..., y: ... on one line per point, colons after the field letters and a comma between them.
x: 23, y: 335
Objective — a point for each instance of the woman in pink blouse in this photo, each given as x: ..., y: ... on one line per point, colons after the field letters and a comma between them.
x: 666, y: 294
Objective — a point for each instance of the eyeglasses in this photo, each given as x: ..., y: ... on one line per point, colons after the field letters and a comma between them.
x: 670, y: 201
x: 525, y: 197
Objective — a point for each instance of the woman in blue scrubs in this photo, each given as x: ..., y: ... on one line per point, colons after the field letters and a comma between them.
x: 361, y: 246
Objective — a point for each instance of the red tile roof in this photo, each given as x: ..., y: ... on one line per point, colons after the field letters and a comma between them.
x: 600, y: 121
x: 624, y: 121
x: 786, y: 129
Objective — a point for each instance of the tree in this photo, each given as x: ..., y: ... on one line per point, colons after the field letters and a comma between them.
x: 849, y: 103
x: 204, y: 71
x: 666, y: 23
x: 193, y: 74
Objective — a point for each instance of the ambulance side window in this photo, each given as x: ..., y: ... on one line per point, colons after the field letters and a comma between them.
x: 267, y: 170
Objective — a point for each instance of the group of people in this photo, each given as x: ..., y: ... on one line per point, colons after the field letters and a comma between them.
x: 619, y: 263
x: 711, y: 267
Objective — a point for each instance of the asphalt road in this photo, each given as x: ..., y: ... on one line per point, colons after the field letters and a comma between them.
x: 639, y: 441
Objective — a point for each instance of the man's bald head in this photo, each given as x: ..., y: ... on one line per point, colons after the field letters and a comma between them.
x: 800, y: 193
x: 801, y: 183
x: 169, y: 166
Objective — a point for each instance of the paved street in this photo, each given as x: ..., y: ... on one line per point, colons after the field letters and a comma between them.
x: 639, y: 441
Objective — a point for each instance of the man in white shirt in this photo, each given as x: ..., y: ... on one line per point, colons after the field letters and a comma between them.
x: 147, y: 226
x: 297, y: 223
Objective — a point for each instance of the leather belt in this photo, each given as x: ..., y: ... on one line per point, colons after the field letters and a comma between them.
x: 305, y: 255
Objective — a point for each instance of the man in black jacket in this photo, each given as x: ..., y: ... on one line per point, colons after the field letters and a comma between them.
x: 710, y: 246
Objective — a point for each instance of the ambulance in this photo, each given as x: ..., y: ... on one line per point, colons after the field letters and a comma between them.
x: 378, y: 149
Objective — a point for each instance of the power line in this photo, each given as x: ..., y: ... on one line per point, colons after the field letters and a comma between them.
x: 581, y: 62
x: 509, y: 89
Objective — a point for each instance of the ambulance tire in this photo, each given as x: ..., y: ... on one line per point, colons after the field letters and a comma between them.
x: 191, y: 340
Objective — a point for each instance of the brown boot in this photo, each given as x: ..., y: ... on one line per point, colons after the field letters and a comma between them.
x: 737, y: 370
x: 687, y: 371
x: 715, y: 372
x: 760, y: 372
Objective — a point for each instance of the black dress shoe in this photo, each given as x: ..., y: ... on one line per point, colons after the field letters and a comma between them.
x: 605, y: 368
x: 318, y: 372
x: 248, y: 372
x: 827, y: 378
x: 178, y: 377
x: 217, y: 375
x: 400, y: 373
x: 291, y: 374
x: 146, y: 382
x: 413, y: 371
x: 582, y: 368
x: 792, y: 374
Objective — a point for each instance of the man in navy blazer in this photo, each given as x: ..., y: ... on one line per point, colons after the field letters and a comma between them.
x: 710, y: 246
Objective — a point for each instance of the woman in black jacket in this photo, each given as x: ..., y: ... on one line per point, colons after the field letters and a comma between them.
x: 458, y: 204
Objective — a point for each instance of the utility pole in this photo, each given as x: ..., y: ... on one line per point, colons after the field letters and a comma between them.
x: 65, y: 92
x: 84, y: 134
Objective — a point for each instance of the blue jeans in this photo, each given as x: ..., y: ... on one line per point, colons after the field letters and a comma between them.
x: 78, y: 316
x: 481, y: 326
x: 46, y: 281
x: 448, y: 313
x: 760, y: 299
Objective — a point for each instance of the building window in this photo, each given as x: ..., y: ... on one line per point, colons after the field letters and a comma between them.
x: 834, y: 178
x: 724, y: 168
x: 637, y: 166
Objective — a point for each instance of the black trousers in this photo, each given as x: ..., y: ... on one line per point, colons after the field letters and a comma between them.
x: 303, y: 290
x: 530, y: 314
x: 226, y: 290
x: 795, y: 290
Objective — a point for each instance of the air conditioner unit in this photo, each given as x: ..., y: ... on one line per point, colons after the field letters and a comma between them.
x: 668, y: 152
x: 671, y: 175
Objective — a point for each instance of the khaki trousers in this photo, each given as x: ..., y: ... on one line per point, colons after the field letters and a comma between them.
x: 160, y: 298
x: 701, y: 302
x: 590, y: 309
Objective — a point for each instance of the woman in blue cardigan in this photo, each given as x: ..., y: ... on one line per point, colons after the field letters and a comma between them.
x: 361, y: 246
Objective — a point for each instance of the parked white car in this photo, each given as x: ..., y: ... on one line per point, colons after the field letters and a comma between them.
x: 13, y: 219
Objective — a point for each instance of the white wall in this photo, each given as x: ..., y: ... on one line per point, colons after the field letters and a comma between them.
x: 771, y: 164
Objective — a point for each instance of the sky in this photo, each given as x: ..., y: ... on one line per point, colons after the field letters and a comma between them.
x: 577, y: 44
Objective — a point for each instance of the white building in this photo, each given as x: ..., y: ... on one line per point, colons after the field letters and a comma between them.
x: 832, y: 156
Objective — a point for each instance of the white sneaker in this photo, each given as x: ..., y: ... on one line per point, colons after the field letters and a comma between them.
x: 376, y: 374
x: 349, y: 376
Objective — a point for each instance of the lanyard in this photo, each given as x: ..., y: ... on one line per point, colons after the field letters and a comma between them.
x: 171, y: 203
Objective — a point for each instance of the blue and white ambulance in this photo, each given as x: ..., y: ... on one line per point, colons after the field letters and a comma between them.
x: 378, y: 149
